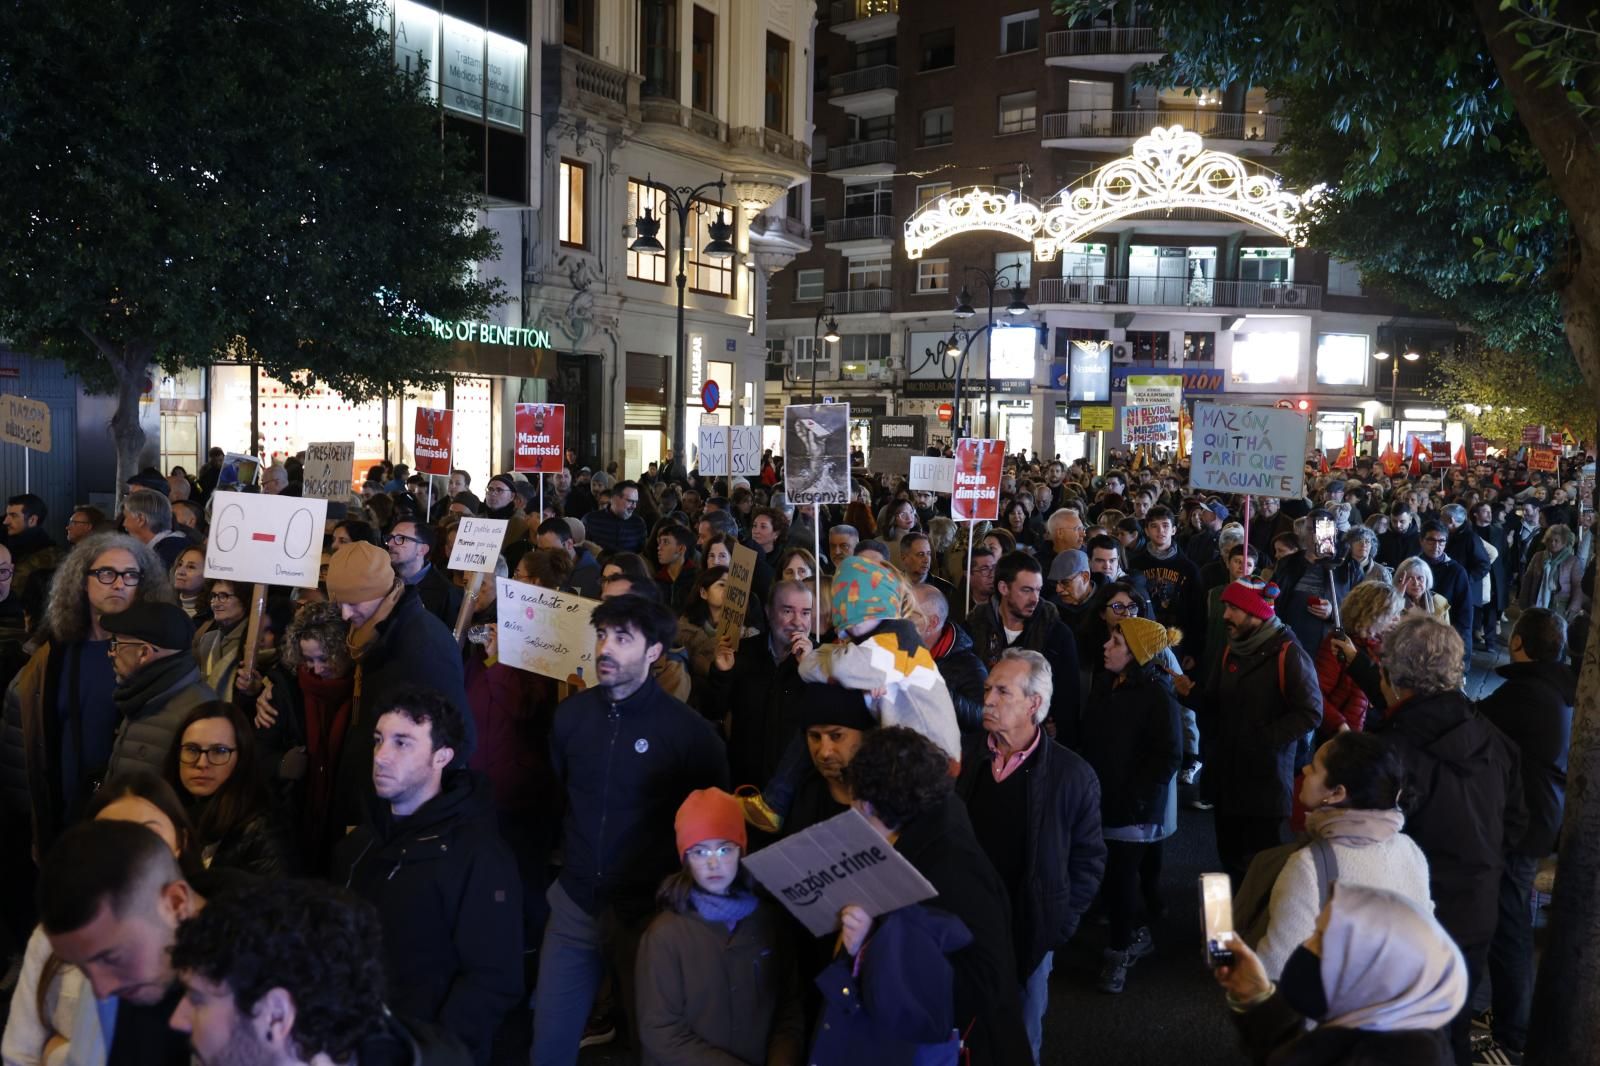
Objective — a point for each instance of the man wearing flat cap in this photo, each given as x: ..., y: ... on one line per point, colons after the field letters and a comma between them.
x: 158, y: 684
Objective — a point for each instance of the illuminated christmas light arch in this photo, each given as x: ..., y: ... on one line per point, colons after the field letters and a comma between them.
x: 1168, y: 168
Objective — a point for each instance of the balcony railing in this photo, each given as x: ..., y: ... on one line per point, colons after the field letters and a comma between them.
x: 861, y: 154
x: 861, y: 228
x: 865, y: 80
x: 859, y: 301
x: 1104, y: 122
x: 852, y: 10
x: 1105, y: 41
x: 601, y: 86
x: 1178, y: 292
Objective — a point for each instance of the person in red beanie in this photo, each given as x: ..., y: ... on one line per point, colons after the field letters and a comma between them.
x: 717, y: 980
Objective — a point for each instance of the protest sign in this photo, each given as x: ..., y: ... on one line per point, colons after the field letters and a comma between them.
x: 1155, y: 390
x: 816, y: 453
x: 1150, y: 424
x: 1440, y: 452
x: 715, y: 442
x: 893, y: 441
x: 816, y: 873
x: 932, y: 473
x: 545, y: 632
x: 430, y: 448
x: 329, y: 470
x: 238, y: 471
x: 1532, y: 434
x: 1480, y: 448
x: 736, y: 600
x: 275, y: 540
x: 1544, y: 460
x: 1257, y: 451
x: 25, y: 422
x: 979, y: 463
x: 1097, y: 419
x: 477, y: 545
x: 541, y: 438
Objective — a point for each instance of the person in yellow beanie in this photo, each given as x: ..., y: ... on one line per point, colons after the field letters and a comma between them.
x: 1132, y: 736
x: 718, y: 979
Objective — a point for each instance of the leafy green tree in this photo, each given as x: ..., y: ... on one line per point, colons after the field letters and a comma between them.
x: 188, y: 181
x: 1458, y: 143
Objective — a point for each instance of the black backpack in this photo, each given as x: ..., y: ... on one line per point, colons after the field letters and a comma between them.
x: 1252, y: 902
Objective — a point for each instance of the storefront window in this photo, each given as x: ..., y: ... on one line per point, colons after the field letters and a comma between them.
x: 230, y: 409
x: 473, y: 425
x: 1342, y: 359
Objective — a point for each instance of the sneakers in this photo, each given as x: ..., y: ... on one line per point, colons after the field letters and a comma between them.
x: 1142, y: 944
x: 1115, y: 964
x: 1190, y: 774
x: 1496, y: 1055
x: 756, y: 812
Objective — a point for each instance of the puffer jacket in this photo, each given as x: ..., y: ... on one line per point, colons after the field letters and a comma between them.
x: 153, y: 703
x: 1133, y: 738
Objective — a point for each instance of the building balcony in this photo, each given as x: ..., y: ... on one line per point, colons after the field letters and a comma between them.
x: 598, y: 89
x: 868, y: 92
x: 862, y: 234
x: 1115, y: 49
x: 864, y: 158
x: 751, y: 156
x: 779, y: 235
x: 859, y: 301
x: 864, y: 20
x: 1178, y: 292
x: 1107, y: 130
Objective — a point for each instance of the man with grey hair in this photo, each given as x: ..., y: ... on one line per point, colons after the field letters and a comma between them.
x: 951, y: 648
x: 1066, y: 531
x: 147, y: 516
x: 1035, y: 807
x: 842, y: 541
x: 1465, y: 547
x: 274, y: 479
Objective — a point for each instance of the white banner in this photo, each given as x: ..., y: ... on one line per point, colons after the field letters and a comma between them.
x: 712, y: 459
x: 1257, y: 451
x: 275, y: 540
x: 477, y: 546
x: 931, y: 473
x: 545, y: 632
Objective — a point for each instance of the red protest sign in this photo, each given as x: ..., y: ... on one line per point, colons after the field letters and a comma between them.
x: 1480, y: 448
x: 1441, y: 452
x: 1533, y: 434
x: 430, y: 449
x: 1543, y: 460
x: 541, y: 438
x: 979, y: 463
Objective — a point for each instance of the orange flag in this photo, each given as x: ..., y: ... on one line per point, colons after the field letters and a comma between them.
x: 1347, y: 454
x: 1391, y: 460
x: 1461, y: 457
x: 1419, y: 457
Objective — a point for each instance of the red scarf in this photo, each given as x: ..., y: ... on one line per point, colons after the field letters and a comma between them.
x: 941, y: 647
x: 327, y: 705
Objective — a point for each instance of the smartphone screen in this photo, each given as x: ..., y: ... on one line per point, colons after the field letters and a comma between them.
x: 1325, y: 534
x: 1216, y: 917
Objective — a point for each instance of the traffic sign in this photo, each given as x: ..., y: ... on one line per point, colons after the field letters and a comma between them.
x: 710, y: 396
x: 946, y: 412
x: 1369, y: 432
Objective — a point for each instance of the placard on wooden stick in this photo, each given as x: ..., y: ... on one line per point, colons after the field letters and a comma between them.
x: 274, y: 540
x: 736, y: 601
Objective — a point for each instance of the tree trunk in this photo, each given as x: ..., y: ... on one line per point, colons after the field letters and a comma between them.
x: 131, y: 366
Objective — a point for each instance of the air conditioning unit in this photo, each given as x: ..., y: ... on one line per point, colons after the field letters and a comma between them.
x: 1292, y: 297
x: 1076, y: 291
x: 1100, y: 293
x: 1122, y: 353
x: 1271, y: 296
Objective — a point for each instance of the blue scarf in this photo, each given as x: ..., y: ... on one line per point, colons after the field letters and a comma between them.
x: 730, y: 910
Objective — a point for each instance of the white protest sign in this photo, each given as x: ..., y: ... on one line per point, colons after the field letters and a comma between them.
x: 1258, y: 451
x: 329, y: 469
x: 275, y: 540
x: 713, y: 457
x: 477, y: 545
x: 545, y: 632
x: 931, y: 473
x: 1155, y: 390
x: 816, y: 873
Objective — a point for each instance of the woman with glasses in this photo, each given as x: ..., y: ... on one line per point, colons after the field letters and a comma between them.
x: 217, y: 772
x: 219, y: 643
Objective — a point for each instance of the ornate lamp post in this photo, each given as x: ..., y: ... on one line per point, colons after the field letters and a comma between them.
x: 1006, y: 278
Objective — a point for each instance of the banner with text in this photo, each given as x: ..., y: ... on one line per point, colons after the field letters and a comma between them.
x: 1258, y: 451
x: 714, y: 441
x: 541, y: 438
x: 545, y: 632
x: 979, y: 465
x: 25, y: 422
x: 430, y: 449
x: 932, y: 473
x: 275, y: 540
x: 1544, y: 460
x: 330, y: 470
x: 477, y: 546
x: 1154, y: 390
x: 1150, y: 424
x: 816, y: 453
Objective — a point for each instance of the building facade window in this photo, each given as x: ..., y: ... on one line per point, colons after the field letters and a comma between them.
x: 863, y: 356
x: 777, y: 90
x: 1019, y: 32
x: 1199, y: 347
x: 933, y: 275
x: 1266, y: 264
x: 938, y: 126
x: 572, y: 220
x: 708, y: 275
x: 1343, y: 278
x: 931, y: 191
x: 658, y: 48
x: 819, y: 214
x: 1018, y: 265
x: 642, y: 266
x: 808, y: 284
x: 869, y: 198
x: 939, y: 49
x: 577, y: 25
x: 1019, y: 112
x: 1149, y: 346
x: 870, y: 272
x: 1090, y: 96
x: 1342, y: 358
x: 703, y: 62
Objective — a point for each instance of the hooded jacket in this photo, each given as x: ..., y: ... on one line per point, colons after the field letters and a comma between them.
x: 761, y: 698
x: 891, y: 659
x: 449, y: 897
x: 1534, y: 708
x: 153, y: 704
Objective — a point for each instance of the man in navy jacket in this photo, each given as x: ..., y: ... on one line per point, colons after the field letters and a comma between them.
x: 1450, y: 580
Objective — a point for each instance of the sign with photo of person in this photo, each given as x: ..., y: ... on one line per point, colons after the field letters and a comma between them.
x: 979, y: 465
x: 816, y: 453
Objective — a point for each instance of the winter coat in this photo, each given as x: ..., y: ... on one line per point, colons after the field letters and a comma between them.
x: 1450, y: 581
x: 259, y: 847
x: 1534, y: 708
x: 964, y: 675
x: 1275, y: 1034
x: 1046, y: 634
x: 1065, y: 857
x: 1394, y: 547
x: 33, y: 557
x: 616, y: 534
x: 626, y: 767
x: 1343, y: 701
x: 441, y: 598
x: 893, y: 1005
x: 1132, y: 737
x: 1293, y: 605
x: 219, y: 651
x: 1565, y: 595
x: 513, y: 750
x: 941, y: 845
x: 585, y: 579
x: 153, y: 704
x: 1467, y: 804
x: 761, y: 699
x: 708, y: 997
x: 449, y: 898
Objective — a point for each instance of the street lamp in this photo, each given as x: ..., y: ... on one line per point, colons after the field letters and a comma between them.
x: 720, y: 246
x: 1411, y: 356
x: 1006, y: 278
x: 831, y: 336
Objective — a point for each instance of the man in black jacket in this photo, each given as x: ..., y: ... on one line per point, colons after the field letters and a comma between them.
x: 951, y: 648
x: 1173, y: 582
x: 411, y: 547
x: 627, y: 755
x: 1016, y: 618
x: 1035, y: 807
x: 1450, y: 580
x: 1534, y: 708
x: 757, y: 685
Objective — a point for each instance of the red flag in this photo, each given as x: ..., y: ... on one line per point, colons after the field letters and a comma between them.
x: 1322, y: 461
x: 1419, y: 457
x: 1347, y: 454
x: 1391, y: 460
x: 1461, y: 457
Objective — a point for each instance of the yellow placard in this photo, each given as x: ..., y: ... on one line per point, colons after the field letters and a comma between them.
x: 1091, y: 419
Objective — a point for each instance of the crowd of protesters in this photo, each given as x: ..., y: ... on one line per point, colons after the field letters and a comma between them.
x: 334, y: 823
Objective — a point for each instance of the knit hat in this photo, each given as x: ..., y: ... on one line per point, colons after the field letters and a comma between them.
x: 1252, y: 596
x: 824, y: 704
x: 709, y: 814
x: 1146, y: 639
x: 863, y: 590
x: 359, y: 572
x: 508, y: 480
x: 1068, y: 564
x: 579, y: 534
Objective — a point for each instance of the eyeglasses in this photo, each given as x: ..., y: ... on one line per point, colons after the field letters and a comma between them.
x: 1433, y: 540
x: 108, y: 575
x: 76, y: 521
x: 497, y: 490
x: 401, y: 539
x: 118, y: 645
x: 216, y: 755
x: 222, y: 597
x: 6, y: 572
x: 702, y: 854
x: 1124, y: 609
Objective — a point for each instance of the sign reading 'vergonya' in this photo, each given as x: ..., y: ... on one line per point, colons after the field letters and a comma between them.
x: 545, y: 632
x: 25, y: 422
x: 329, y: 470
x: 1258, y: 451
x: 431, y: 447
x: 932, y: 473
x: 816, y: 873
x: 276, y: 540
x: 477, y: 546
x: 979, y: 463
x: 541, y: 437
x: 714, y: 441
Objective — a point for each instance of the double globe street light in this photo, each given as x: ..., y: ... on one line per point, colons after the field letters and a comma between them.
x: 1411, y: 355
x: 1006, y: 278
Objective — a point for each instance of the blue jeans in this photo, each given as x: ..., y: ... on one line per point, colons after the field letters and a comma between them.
x: 1035, y: 996
x: 571, y: 963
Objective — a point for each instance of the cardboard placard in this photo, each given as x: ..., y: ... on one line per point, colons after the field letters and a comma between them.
x: 430, y: 447
x: 273, y: 540
x: 545, y: 632
x: 815, y: 874
x: 932, y: 473
x: 816, y: 453
x: 714, y: 441
x: 477, y: 546
x: 980, y: 463
x: 1533, y: 434
x: 736, y: 601
x: 541, y: 430
x: 1544, y: 460
x: 329, y: 470
x: 1480, y: 448
x: 1097, y: 419
x: 25, y: 422
x: 1259, y: 451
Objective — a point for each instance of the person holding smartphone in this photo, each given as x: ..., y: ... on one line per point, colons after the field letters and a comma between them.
x: 1311, y: 581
